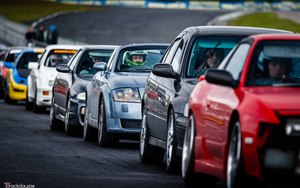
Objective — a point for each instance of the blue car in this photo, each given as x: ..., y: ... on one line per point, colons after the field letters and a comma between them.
x: 9, y: 57
x: 113, y: 97
x: 16, y: 78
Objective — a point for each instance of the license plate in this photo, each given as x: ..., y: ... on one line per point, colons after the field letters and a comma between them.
x: 276, y: 158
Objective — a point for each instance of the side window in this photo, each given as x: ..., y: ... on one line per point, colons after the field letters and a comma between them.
x: 172, y: 51
x: 177, y: 58
x: 109, y: 63
x: 237, y: 61
x: 163, y: 59
x: 74, y: 59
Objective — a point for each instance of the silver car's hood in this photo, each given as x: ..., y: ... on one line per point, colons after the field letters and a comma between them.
x: 130, y: 79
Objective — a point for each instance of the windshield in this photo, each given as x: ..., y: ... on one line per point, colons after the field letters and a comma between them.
x: 58, y: 56
x: 139, y: 59
x: 209, y: 52
x: 275, y: 63
x: 26, y: 58
x: 86, y: 65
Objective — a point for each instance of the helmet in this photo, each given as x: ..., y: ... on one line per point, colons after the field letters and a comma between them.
x: 129, y: 54
x: 55, y: 59
x: 263, y: 61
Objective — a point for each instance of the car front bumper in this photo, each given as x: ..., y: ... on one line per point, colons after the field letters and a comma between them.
x: 44, y: 97
x: 17, y: 91
x: 76, y: 116
x: 126, y: 118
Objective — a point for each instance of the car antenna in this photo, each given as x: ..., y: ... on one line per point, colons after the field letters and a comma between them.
x: 209, y: 55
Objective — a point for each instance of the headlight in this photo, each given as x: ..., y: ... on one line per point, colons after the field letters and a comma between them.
x: 50, y: 83
x: 292, y: 127
x: 186, y: 110
x: 81, y: 96
x: 126, y: 94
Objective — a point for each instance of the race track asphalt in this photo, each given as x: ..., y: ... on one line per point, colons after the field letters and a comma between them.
x: 123, y: 25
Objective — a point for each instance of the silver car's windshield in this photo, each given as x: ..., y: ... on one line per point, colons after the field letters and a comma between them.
x: 139, y: 59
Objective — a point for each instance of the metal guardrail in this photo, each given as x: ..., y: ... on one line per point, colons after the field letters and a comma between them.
x: 13, y: 34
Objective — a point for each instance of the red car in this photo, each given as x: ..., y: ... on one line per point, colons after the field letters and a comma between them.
x: 244, y: 117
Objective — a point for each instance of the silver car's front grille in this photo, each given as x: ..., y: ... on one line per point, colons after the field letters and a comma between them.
x: 131, y: 124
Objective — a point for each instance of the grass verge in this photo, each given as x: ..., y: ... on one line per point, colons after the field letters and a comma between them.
x: 28, y: 10
x: 267, y: 20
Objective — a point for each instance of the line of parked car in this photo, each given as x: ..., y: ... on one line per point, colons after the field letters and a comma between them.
x: 219, y: 102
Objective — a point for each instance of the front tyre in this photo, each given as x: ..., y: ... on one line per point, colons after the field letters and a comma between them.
x: 36, y: 108
x: 88, y: 131
x: 54, y: 123
x: 188, y: 160
x: 28, y: 105
x: 148, y: 153
x: 235, y: 165
x: 68, y: 127
x: 172, y: 161
x: 188, y: 153
x: 105, y: 139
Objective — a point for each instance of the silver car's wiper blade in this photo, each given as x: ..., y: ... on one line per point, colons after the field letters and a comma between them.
x: 143, y: 70
x: 286, y: 84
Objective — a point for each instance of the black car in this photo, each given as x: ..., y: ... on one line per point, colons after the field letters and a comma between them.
x: 167, y: 90
x: 68, y: 101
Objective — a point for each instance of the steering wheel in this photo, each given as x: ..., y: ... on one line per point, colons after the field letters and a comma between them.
x: 285, y: 79
x: 137, y: 67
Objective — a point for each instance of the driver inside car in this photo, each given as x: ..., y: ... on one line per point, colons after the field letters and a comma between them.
x: 133, y: 58
x: 276, y: 68
x: 55, y: 60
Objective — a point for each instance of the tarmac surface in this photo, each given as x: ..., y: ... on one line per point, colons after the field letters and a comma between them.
x: 123, y: 25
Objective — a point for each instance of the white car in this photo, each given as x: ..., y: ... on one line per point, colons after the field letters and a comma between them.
x: 43, y: 73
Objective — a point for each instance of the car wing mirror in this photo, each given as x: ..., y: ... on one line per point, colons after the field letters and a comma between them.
x: 63, y: 68
x: 201, y: 78
x: 164, y: 70
x: 8, y: 65
x: 33, y: 65
x: 220, y: 77
x: 100, y: 66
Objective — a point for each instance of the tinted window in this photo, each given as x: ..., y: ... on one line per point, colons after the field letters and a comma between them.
x: 172, y: 51
x: 236, y: 63
x: 58, y: 56
x: 147, y: 56
x: 177, y: 58
x: 204, y: 55
x: 89, y: 58
x: 275, y: 63
x: 26, y: 58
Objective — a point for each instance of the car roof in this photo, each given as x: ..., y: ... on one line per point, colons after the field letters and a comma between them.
x: 144, y: 44
x: 64, y: 46
x: 275, y: 37
x: 230, y: 31
x: 111, y: 47
x: 37, y: 50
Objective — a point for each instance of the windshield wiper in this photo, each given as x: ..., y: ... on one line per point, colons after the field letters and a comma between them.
x: 286, y: 84
x: 143, y: 70
x: 210, y: 53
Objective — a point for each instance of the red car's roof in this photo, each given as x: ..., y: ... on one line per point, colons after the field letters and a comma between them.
x: 276, y: 37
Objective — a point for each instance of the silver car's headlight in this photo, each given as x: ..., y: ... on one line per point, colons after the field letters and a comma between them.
x: 81, y: 96
x: 292, y: 127
x: 126, y: 94
x: 186, y: 110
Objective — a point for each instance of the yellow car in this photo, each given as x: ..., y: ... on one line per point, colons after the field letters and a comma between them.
x: 16, y: 85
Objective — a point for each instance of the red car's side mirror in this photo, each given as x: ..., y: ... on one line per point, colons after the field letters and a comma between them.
x: 202, y: 77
